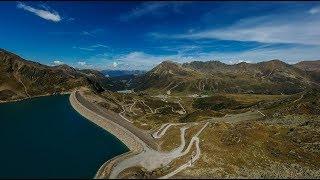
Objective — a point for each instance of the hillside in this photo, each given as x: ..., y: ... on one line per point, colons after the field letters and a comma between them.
x: 308, y: 65
x: 307, y: 103
x: 167, y: 76
x: 20, y: 78
x: 312, y: 68
x: 269, y: 77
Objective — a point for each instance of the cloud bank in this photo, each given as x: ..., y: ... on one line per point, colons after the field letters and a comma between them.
x: 144, y: 61
x: 294, y: 29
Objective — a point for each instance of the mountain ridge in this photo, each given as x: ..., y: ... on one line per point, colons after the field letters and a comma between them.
x: 20, y: 78
x: 267, y: 77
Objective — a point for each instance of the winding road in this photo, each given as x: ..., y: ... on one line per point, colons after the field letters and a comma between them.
x: 151, y: 159
x: 195, y: 139
x: 164, y: 128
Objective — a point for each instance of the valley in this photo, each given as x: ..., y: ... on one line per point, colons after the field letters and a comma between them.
x: 236, y: 142
x: 160, y: 90
x: 192, y: 120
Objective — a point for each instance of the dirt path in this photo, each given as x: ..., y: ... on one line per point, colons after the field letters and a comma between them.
x: 164, y: 128
x: 24, y: 86
x: 132, y: 107
x: 195, y: 139
x: 183, y: 110
x: 148, y: 155
x: 151, y: 159
x: 261, y: 113
x: 121, y: 114
x: 299, y: 98
x: 169, y: 91
x: 152, y: 112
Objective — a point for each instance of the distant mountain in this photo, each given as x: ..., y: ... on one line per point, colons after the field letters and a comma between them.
x: 312, y: 68
x: 20, y: 78
x: 308, y: 65
x: 209, y: 66
x: 117, y: 73
x: 269, y: 77
x: 165, y: 76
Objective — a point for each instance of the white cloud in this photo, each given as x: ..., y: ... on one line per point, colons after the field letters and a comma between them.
x: 82, y: 63
x: 115, y: 64
x: 145, y: 8
x: 71, y: 19
x: 86, y: 33
x: 92, y: 33
x: 238, y: 61
x: 153, y: 8
x: 91, y: 48
x: 57, y: 62
x: 292, y: 28
x: 99, y: 46
x: 314, y: 10
x: 144, y: 61
x: 138, y: 60
x: 134, y: 61
x: 86, y: 49
x: 191, y: 30
x: 291, y: 54
x: 45, y: 14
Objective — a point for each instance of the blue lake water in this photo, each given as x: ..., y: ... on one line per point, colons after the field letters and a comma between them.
x: 46, y: 138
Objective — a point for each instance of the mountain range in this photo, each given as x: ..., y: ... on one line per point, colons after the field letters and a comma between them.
x: 20, y: 78
x: 269, y: 77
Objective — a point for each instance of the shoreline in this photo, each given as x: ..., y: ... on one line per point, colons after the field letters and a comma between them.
x: 43, y: 95
x: 134, y: 142
x: 131, y: 141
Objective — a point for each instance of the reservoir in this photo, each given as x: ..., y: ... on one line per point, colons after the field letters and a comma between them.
x: 46, y: 138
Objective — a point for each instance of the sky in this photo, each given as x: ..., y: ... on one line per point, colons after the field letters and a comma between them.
x: 140, y: 35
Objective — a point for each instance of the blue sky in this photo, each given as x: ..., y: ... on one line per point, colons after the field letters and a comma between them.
x: 139, y: 35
